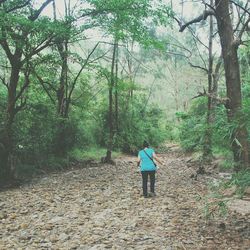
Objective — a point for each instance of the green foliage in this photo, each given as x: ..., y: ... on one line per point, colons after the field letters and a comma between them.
x: 215, y: 204
x: 139, y: 122
x: 31, y: 36
x: 193, y: 126
x: 130, y: 19
x: 35, y: 132
x: 244, y: 60
x: 245, y: 114
x: 241, y: 179
x: 216, y: 207
x: 89, y: 153
x: 44, y: 140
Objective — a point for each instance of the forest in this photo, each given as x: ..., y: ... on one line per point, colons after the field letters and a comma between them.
x: 91, y: 78
x: 87, y: 84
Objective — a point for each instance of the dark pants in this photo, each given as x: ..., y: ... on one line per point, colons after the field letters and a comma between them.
x: 145, y: 175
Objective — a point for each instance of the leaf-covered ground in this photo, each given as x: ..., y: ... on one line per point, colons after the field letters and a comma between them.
x: 101, y: 207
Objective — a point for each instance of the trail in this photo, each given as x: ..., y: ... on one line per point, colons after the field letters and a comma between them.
x: 101, y: 207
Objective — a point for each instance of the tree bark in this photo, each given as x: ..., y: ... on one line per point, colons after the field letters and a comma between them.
x: 207, y: 144
x: 63, y: 51
x: 62, y: 100
x: 116, y: 94
x: 111, y: 115
x: 6, y: 135
x: 239, y: 138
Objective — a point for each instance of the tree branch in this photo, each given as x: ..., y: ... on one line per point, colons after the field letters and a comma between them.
x: 241, y: 7
x: 6, y: 48
x: 177, y: 20
x: 4, y: 82
x: 25, y: 85
x: 198, y: 67
x: 80, y: 71
x: 221, y: 100
x: 203, y: 16
x: 21, y: 106
x: 243, y: 29
x: 18, y: 6
x: 217, y: 69
x: 39, y: 11
x: 43, y: 82
x: 44, y: 87
x: 209, y: 5
x: 240, y: 17
x: 38, y: 49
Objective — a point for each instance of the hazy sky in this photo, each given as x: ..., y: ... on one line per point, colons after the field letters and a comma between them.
x: 189, y: 9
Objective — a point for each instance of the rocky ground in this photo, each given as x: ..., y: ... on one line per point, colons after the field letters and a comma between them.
x: 101, y: 207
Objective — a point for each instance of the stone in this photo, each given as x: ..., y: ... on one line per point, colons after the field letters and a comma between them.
x: 229, y: 192
x: 63, y: 237
x: 247, y: 191
x: 240, y: 206
x: 101, y: 208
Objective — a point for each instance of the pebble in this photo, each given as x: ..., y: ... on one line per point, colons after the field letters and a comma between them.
x: 102, y: 207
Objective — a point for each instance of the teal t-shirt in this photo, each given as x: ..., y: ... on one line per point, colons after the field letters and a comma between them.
x: 146, y: 162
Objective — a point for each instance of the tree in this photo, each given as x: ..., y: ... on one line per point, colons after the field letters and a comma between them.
x: 65, y: 68
x: 23, y: 36
x: 125, y: 21
x: 229, y: 44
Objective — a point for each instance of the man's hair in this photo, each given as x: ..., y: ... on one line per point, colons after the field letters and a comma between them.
x: 145, y: 144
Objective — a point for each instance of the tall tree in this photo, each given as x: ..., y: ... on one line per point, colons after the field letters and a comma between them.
x: 240, y: 144
x: 125, y: 21
x: 229, y: 44
x: 23, y: 36
x: 62, y: 60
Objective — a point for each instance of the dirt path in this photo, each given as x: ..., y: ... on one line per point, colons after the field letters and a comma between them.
x: 102, y: 208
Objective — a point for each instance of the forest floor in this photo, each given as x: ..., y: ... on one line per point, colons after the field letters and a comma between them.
x: 101, y: 207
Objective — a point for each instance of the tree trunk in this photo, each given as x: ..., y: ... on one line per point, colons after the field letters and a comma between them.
x: 62, y: 105
x: 6, y: 173
x: 207, y: 144
x: 62, y: 101
x: 6, y: 135
x: 63, y: 51
x: 111, y: 122
x: 239, y: 138
x: 116, y: 94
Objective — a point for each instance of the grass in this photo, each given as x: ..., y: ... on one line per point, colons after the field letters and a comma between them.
x: 226, y: 156
x: 53, y: 163
x: 93, y: 153
x: 241, y: 180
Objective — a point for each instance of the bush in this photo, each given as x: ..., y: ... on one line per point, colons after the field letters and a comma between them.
x: 241, y: 179
x: 89, y: 153
x: 194, y: 125
x: 138, y: 124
